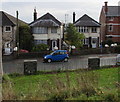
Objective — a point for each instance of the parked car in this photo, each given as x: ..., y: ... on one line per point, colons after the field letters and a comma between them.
x: 118, y: 60
x: 58, y: 55
x: 23, y: 51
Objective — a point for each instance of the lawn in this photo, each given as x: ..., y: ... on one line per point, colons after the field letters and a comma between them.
x: 99, y: 84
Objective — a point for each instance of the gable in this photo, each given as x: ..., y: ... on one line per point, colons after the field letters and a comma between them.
x: 46, y: 20
x: 4, y: 20
x: 85, y: 20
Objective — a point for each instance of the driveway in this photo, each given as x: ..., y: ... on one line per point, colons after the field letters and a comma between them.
x: 75, y: 62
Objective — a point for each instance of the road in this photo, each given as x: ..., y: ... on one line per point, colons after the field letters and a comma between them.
x: 75, y: 62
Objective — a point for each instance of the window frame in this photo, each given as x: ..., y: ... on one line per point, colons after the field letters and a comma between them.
x: 94, y: 30
x: 7, y: 30
x: 40, y: 30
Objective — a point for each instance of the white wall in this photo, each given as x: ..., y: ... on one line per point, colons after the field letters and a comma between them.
x: 50, y: 35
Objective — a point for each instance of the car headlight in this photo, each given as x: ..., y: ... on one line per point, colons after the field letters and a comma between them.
x: 44, y: 57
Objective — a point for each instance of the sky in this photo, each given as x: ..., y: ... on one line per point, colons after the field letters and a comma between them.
x: 61, y: 9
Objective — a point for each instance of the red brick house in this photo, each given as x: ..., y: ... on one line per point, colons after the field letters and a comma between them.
x: 110, y: 23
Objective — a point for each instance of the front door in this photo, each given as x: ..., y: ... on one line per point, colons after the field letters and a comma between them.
x: 54, y: 43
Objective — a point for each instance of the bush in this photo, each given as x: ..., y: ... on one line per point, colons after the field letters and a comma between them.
x: 40, y: 47
x: 117, y: 49
x: 109, y: 42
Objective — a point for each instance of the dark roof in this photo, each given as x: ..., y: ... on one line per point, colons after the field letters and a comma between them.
x: 113, y: 11
x: 6, y: 19
x: 46, y: 20
x: 85, y: 20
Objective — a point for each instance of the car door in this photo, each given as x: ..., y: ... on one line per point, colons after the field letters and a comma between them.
x: 55, y: 56
x: 58, y: 56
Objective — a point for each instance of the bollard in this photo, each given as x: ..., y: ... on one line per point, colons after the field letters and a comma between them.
x: 30, y: 67
x: 93, y: 63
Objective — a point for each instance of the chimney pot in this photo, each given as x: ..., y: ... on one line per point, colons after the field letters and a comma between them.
x: 106, y: 7
x: 35, y: 14
x: 73, y: 17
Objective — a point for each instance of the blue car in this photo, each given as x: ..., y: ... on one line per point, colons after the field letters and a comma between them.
x: 58, y: 55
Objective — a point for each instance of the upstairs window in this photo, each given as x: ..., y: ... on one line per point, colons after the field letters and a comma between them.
x: 40, y: 30
x: 111, y: 18
x: 94, y: 30
x: 53, y: 30
x: 8, y: 28
x: 83, y: 29
x: 110, y: 28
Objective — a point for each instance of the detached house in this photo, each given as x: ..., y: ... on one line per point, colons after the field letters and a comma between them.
x: 48, y: 30
x: 90, y: 28
x: 110, y: 23
x: 8, y: 26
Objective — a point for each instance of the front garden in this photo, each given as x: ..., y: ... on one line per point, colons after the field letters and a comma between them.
x: 102, y: 84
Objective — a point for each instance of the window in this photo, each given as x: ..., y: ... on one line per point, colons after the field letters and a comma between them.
x: 110, y: 28
x: 83, y: 29
x: 94, y: 30
x: 86, y: 41
x: 111, y: 18
x: 53, y: 30
x: 8, y: 29
x: 40, y: 30
x: 40, y: 42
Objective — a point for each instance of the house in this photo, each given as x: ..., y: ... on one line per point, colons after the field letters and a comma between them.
x: 90, y: 28
x: 110, y: 23
x: 47, y: 30
x: 8, y: 26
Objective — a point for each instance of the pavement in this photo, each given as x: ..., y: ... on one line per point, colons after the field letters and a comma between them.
x: 75, y: 62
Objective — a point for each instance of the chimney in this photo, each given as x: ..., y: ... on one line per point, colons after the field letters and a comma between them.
x: 106, y: 8
x: 35, y: 14
x: 73, y: 17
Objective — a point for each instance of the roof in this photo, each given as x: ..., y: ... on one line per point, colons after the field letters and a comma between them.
x: 87, y: 21
x: 7, y: 19
x: 4, y: 20
x: 113, y: 11
x: 46, y: 20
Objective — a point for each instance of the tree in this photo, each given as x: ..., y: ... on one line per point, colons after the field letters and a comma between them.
x: 26, y: 40
x: 73, y: 36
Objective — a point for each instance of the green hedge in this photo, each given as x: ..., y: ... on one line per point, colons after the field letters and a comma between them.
x: 40, y: 47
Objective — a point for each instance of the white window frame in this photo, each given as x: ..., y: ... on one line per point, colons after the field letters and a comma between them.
x: 40, y: 30
x: 94, y: 30
x: 83, y: 29
x: 9, y: 30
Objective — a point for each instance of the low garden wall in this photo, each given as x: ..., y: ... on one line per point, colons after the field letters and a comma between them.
x: 73, y: 53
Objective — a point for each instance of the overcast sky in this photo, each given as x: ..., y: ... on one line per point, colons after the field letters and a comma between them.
x: 58, y: 8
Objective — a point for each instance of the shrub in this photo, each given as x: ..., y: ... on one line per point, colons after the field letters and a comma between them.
x: 117, y: 49
x: 40, y: 47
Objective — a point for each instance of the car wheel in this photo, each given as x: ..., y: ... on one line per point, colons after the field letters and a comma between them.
x: 49, y: 60
x: 66, y: 60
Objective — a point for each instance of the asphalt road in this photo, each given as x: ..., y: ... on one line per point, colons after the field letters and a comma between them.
x: 75, y: 62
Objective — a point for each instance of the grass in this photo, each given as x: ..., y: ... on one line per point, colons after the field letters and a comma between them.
x: 102, y: 84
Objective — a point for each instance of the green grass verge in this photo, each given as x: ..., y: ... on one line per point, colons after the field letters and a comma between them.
x: 102, y: 84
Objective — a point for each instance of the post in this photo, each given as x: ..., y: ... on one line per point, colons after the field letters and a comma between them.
x: 17, y: 34
x: 1, y: 68
x: 61, y: 33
